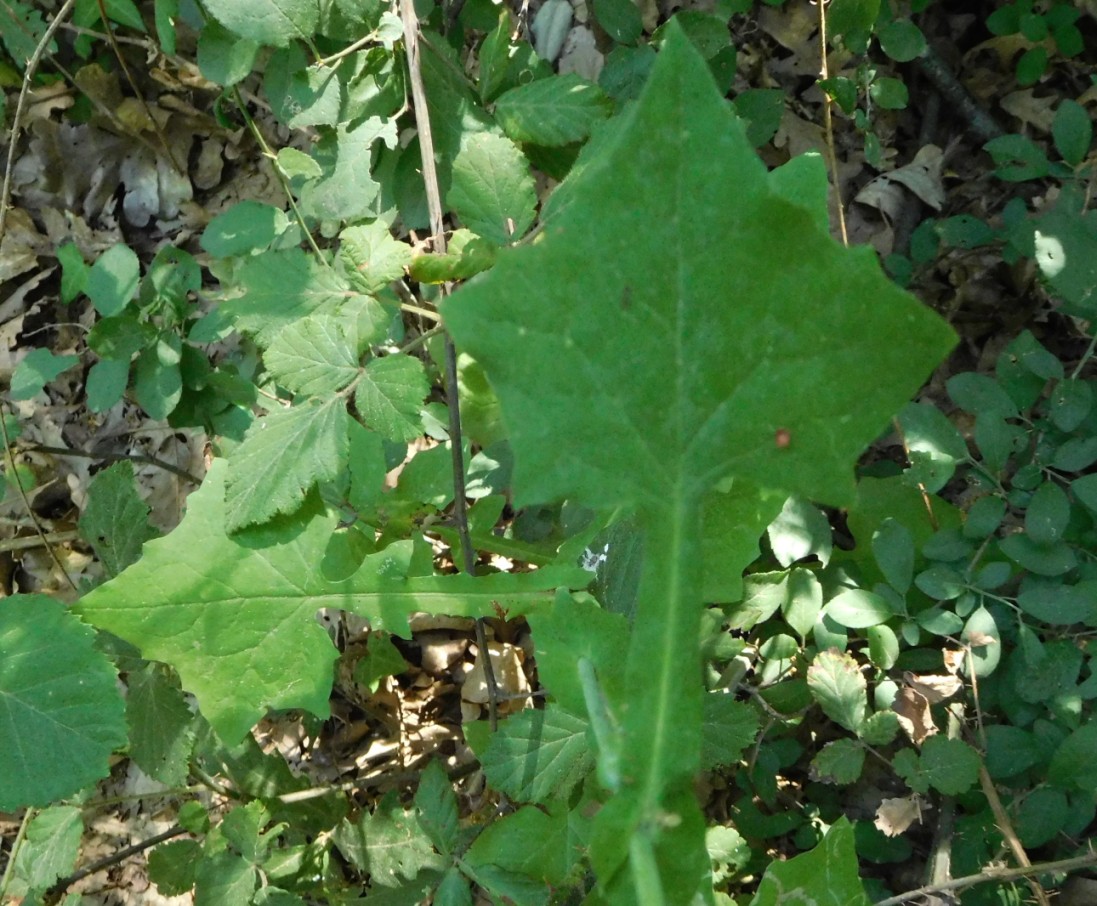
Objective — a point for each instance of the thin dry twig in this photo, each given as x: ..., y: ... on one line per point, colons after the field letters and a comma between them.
x: 5, y: 197
x: 992, y: 874
x: 438, y: 242
x: 828, y: 124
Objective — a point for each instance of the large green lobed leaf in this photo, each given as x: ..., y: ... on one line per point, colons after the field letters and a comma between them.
x: 236, y: 617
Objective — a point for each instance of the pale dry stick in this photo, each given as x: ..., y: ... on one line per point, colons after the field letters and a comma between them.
x: 5, y: 196
x: 992, y: 874
x: 22, y: 544
x: 1012, y: 840
x: 438, y: 241
x: 828, y: 123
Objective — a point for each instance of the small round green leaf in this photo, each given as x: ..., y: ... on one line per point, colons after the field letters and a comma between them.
x: 1072, y: 130
x: 902, y: 40
x: 1048, y: 514
x: 113, y: 280
x: 858, y: 609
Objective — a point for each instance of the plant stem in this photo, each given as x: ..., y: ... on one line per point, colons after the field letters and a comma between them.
x: 992, y: 874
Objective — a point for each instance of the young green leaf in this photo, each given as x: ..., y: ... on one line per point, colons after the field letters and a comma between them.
x: 493, y: 191
x: 373, y: 258
x: 390, y: 395
x: 436, y: 804
x: 314, y: 356
x: 537, y: 756
x: 273, y: 22
x: 798, y: 879
x: 37, y: 368
x: 282, y: 457
x: 839, y: 762
x: 553, y: 111
x: 1072, y: 130
x: 115, y: 520
x: 113, y: 280
x: 837, y: 684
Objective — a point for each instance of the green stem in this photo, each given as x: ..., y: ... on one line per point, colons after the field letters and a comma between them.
x: 662, y: 741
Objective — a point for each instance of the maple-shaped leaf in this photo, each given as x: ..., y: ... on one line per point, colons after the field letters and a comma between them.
x: 682, y: 319
x: 236, y: 616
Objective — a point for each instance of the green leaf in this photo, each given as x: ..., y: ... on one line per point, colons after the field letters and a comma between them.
x: 1018, y: 158
x: 225, y: 878
x: 797, y: 880
x: 235, y: 615
x: 537, y: 756
x: 729, y: 728
x: 63, y: 716
x: 113, y: 280
x: 851, y: 16
x: 161, y: 726
x: 981, y: 632
x: 594, y: 346
x: 36, y: 369
x: 157, y: 380
x: 388, y: 844
x: 588, y: 332
x: 893, y: 548
x: 902, y: 40
x: 347, y: 191
x: 373, y: 258
x: 493, y: 191
x: 273, y: 22
x: 1072, y: 130
x: 880, y: 728
x: 390, y: 396
x: 282, y: 457
x: 74, y: 272
x: 1070, y: 403
x: 280, y: 287
x: 800, y: 531
x: 1048, y: 513
x: 838, y: 762
x: 538, y: 843
x: 934, y: 443
x: 837, y: 684
x: 224, y: 57
x: 858, y: 608
x: 436, y: 804
x: 48, y: 851
x: 805, y: 601
x: 552, y: 112
x: 106, y: 384
x: 115, y: 521
x: 950, y: 766
x: 572, y: 629
x: 620, y: 18
x: 314, y: 356
x: 1072, y: 764
x: 172, y: 867
x: 246, y: 227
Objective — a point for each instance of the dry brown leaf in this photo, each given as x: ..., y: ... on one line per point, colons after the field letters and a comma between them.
x: 895, y: 815
x: 934, y: 687
x: 912, y: 709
